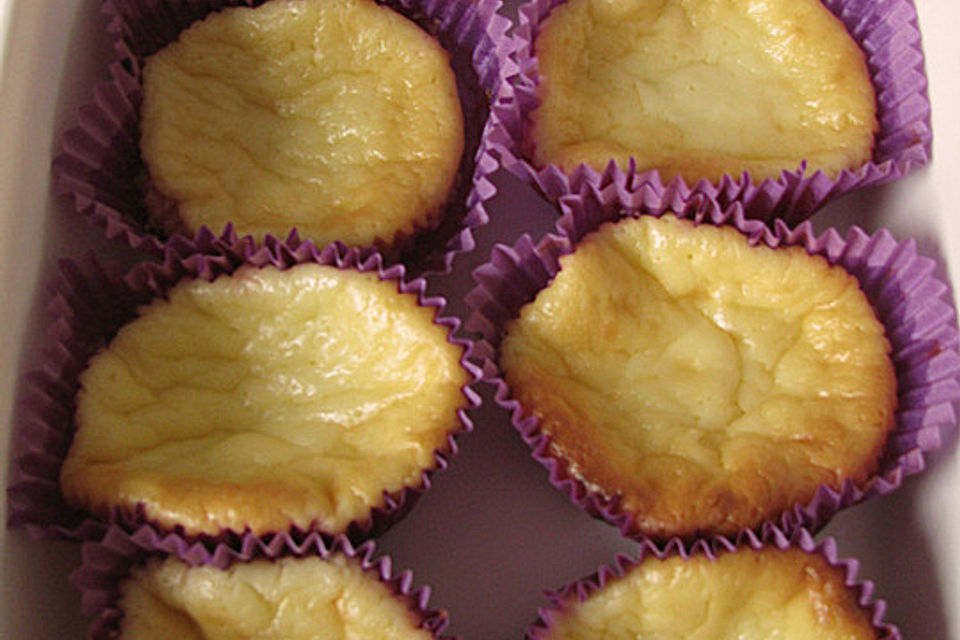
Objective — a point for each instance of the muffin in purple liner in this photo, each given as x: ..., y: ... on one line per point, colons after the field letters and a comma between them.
x: 886, y: 32
x: 100, y: 163
x: 753, y: 586
x: 919, y: 324
x: 330, y: 393
x: 340, y: 586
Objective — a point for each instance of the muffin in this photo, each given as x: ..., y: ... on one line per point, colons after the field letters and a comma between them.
x: 149, y: 584
x: 339, y: 118
x: 751, y: 591
x: 265, y: 399
x: 701, y: 384
x: 99, y: 164
x: 701, y: 89
x: 885, y: 32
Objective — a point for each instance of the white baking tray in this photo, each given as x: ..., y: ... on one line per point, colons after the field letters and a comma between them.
x: 492, y: 533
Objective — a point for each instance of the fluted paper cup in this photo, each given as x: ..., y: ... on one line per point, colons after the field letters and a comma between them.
x: 108, y: 562
x: 98, y: 165
x: 887, y: 32
x: 92, y: 302
x: 912, y: 304
x: 567, y: 599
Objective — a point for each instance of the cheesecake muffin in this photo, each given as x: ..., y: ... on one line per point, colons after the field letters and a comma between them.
x: 265, y: 400
x: 699, y: 383
x: 339, y: 118
x: 288, y: 598
x: 701, y: 89
x: 746, y: 594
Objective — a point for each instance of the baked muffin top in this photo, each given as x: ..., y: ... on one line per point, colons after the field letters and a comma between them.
x: 285, y: 599
x: 338, y: 117
x: 701, y: 88
x: 706, y: 384
x: 265, y: 399
x: 745, y: 595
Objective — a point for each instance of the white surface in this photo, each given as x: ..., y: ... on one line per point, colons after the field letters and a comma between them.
x: 492, y: 533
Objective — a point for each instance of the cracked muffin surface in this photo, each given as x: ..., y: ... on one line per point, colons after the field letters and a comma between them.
x: 265, y: 399
x: 704, y: 384
x: 285, y: 599
x: 743, y: 595
x: 338, y: 117
x: 701, y: 88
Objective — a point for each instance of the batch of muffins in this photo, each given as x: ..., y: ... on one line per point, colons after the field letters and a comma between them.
x: 228, y: 425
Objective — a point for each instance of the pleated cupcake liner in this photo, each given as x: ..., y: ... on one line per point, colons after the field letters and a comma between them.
x: 913, y: 305
x: 574, y: 593
x: 886, y: 31
x: 108, y: 561
x: 91, y: 302
x: 98, y: 164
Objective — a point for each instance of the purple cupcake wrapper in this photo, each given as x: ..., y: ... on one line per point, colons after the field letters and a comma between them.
x: 885, y: 29
x: 576, y: 592
x: 98, y: 163
x: 90, y: 304
x: 108, y: 562
x: 920, y: 323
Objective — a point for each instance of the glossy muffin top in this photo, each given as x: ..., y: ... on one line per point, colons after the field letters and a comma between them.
x: 701, y: 88
x: 706, y: 384
x: 338, y: 117
x: 744, y: 595
x: 286, y: 599
x: 265, y: 399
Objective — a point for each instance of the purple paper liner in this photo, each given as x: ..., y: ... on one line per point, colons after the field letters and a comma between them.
x: 108, y: 561
x: 98, y: 163
x: 90, y: 304
x: 770, y: 537
x: 912, y: 304
x: 887, y: 32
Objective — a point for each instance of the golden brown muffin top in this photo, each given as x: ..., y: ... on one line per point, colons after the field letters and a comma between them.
x: 338, y: 117
x: 744, y: 595
x: 705, y: 383
x: 701, y: 88
x: 265, y: 399
x: 286, y: 599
